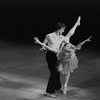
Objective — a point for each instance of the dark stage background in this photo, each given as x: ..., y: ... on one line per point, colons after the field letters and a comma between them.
x: 21, y: 20
x: 23, y: 69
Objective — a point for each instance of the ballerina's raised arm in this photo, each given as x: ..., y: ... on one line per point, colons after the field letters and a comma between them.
x: 78, y: 47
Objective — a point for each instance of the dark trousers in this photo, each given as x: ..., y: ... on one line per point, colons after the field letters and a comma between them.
x: 54, y: 79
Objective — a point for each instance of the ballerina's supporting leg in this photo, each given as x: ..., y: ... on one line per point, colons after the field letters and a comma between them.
x: 66, y: 82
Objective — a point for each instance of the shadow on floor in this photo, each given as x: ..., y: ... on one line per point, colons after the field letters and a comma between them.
x: 93, y: 82
x: 11, y: 84
x: 92, y: 85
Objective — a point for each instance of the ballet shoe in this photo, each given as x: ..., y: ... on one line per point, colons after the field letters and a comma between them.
x: 64, y: 90
x: 78, y: 21
x: 59, y: 91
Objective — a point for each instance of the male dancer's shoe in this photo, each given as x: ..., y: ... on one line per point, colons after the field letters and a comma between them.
x: 50, y: 95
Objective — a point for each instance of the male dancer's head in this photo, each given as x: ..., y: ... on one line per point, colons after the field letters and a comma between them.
x: 61, y: 28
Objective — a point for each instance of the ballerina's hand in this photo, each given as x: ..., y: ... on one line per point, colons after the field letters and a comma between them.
x: 89, y: 39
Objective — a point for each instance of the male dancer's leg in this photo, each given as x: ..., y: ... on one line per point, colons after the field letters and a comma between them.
x: 58, y: 83
x: 54, y: 79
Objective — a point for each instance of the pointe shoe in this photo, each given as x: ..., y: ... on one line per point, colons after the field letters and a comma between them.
x: 64, y: 90
x: 59, y: 91
x: 78, y: 21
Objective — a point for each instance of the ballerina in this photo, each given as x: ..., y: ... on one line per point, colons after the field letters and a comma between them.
x: 68, y: 60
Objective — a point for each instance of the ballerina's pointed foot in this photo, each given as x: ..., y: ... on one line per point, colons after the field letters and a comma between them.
x: 78, y: 22
x: 65, y: 90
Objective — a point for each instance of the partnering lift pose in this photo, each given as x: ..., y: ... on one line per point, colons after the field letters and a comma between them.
x: 67, y: 58
x: 52, y: 43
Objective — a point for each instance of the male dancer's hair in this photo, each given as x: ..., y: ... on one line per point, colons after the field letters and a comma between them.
x: 60, y: 25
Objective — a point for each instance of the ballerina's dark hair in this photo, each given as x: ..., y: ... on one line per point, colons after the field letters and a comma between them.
x: 60, y: 25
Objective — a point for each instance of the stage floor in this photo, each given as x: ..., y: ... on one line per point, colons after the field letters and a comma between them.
x: 24, y: 74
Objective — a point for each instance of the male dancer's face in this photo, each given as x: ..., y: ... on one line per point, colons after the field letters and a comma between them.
x: 61, y: 31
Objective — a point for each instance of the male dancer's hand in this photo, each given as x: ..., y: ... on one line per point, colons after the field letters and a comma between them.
x: 37, y: 41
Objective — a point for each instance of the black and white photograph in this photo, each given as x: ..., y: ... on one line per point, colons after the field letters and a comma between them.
x: 49, y: 50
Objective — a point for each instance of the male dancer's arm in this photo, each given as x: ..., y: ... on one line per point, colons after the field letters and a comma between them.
x: 44, y: 42
x: 44, y: 45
